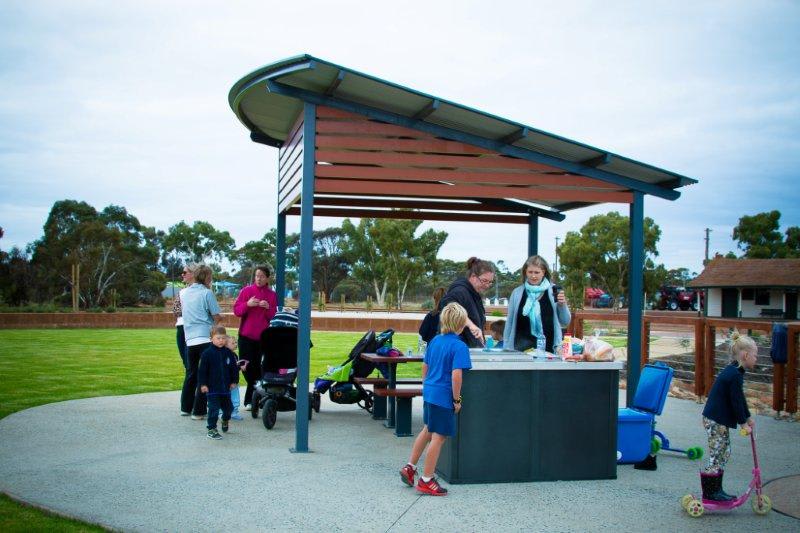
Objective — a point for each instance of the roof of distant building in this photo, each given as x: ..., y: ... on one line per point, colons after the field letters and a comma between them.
x: 722, y: 272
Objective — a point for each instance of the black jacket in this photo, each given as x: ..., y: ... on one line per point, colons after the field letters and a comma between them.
x: 726, y: 404
x: 462, y: 292
x: 217, y: 369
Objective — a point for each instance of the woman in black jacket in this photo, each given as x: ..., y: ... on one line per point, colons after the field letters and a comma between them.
x: 467, y: 291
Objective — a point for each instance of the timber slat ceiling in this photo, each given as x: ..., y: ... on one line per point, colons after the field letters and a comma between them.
x: 358, y: 156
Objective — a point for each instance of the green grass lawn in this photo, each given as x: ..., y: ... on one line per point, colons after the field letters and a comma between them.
x: 42, y: 366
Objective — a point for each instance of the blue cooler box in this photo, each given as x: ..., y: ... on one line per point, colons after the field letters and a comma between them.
x: 635, y: 423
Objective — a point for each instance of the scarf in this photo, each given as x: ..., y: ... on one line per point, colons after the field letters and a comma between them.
x: 532, y: 310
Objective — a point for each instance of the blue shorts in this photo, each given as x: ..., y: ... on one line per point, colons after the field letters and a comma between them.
x: 439, y: 419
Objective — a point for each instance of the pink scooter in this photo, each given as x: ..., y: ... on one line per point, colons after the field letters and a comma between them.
x: 761, y: 503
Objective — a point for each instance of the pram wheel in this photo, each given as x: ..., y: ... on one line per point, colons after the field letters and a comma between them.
x: 367, y: 402
x: 254, y: 405
x: 270, y: 413
x: 316, y: 400
x: 310, y: 410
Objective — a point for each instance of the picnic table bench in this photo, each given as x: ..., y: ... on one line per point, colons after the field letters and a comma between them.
x: 773, y: 313
x: 379, y: 401
x: 403, y: 398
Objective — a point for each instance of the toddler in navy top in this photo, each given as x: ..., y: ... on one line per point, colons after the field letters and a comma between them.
x: 217, y: 375
x: 445, y: 359
x: 725, y: 408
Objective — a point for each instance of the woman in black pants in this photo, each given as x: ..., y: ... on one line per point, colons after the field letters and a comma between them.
x: 255, y: 305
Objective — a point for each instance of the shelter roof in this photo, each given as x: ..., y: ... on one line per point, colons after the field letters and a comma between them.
x: 723, y: 272
x: 269, y: 101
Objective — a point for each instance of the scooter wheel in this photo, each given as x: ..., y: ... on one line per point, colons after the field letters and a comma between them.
x: 695, y: 508
x: 685, y: 501
x: 695, y: 453
x: 765, y: 504
x: 655, y: 446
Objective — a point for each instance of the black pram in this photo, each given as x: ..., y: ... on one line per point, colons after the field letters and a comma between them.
x: 276, y: 391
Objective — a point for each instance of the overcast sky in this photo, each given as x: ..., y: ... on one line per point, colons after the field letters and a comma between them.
x: 126, y: 103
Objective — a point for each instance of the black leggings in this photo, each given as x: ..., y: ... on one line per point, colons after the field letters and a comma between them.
x: 250, y: 350
x: 192, y: 400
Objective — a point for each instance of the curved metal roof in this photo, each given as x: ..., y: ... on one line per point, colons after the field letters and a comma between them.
x: 269, y: 100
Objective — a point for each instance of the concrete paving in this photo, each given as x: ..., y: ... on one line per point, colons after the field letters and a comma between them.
x: 131, y: 463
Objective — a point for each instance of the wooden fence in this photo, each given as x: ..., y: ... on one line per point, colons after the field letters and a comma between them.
x: 784, y: 376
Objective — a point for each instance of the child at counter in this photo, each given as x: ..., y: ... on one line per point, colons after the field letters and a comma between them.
x: 442, y: 371
x: 496, y: 328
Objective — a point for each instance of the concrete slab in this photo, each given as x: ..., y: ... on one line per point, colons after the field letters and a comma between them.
x: 133, y: 464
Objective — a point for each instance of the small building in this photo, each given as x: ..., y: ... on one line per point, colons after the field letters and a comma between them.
x: 750, y: 288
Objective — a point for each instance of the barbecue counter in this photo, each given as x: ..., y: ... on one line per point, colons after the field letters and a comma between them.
x: 527, y: 418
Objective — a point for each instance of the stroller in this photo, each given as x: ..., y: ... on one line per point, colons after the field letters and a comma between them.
x: 339, y: 381
x: 276, y: 390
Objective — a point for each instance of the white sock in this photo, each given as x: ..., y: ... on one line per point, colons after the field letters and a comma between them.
x: 426, y: 479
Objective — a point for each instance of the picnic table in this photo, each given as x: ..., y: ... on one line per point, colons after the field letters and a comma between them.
x: 398, y: 414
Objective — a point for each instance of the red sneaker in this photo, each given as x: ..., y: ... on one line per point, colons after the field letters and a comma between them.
x: 407, y: 474
x: 432, y: 487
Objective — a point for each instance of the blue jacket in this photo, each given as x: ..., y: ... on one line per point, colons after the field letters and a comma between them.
x: 726, y: 404
x: 217, y: 369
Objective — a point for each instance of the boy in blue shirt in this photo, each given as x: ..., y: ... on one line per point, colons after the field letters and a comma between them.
x: 217, y: 375
x: 445, y: 359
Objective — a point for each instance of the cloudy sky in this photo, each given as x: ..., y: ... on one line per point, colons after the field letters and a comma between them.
x: 126, y: 102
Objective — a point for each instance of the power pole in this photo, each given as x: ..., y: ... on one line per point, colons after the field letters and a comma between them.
x: 708, y: 231
x: 555, y: 263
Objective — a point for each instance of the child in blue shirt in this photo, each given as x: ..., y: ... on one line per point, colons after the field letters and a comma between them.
x: 497, y: 327
x: 217, y: 375
x: 445, y: 359
x: 726, y: 406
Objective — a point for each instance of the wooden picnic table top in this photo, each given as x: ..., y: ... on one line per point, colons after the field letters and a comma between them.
x: 375, y: 358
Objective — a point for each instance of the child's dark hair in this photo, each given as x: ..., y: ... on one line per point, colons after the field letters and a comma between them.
x: 218, y: 330
x: 497, y: 326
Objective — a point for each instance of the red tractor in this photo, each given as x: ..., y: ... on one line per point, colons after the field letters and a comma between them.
x: 674, y: 298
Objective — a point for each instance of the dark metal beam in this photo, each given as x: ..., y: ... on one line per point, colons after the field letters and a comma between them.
x: 515, y: 136
x: 430, y: 204
x: 403, y: 214
x: 550, y: 215
x: 280, y: 259
x: 428, y: 110
x: 600, y: 160
x: 263, y: 138
x: 335, y: 83
x: 306, y: 247
x: 533, y: 235
x: 635, y: 293
x: 441, y: 131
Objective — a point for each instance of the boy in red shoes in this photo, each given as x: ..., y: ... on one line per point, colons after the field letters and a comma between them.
x: 445, y: 359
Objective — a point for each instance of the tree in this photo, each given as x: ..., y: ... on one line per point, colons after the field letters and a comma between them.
x: 760, y: 237
x: 598, y: 254
x: 15, y: 276
x: 112, y: 249
x: 199, y: 243
x: 385, y: 255
x: 329, y: 263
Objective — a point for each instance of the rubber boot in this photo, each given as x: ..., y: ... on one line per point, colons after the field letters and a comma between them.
x: 712, y: 487
x: 649, y: 463
x: 722, y: 492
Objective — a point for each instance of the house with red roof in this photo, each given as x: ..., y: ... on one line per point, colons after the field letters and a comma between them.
x: 750, y: 288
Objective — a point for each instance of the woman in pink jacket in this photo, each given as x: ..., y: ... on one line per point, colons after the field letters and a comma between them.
x: 256, y: 305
